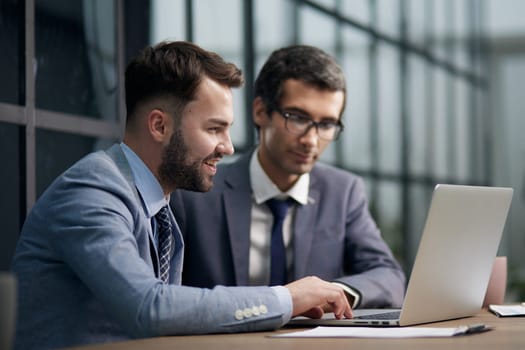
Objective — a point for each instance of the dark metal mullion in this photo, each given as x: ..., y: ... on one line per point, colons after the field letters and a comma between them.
x: 13, y: 114
x: 249, y: 45
x: 482, y: 56
x: 296, y: 22
x: 121, y: 50
x: 485, y: 143
x: 77, y: 125
x: 472, y: 93
x: 189, y: 20
x: 339, y: 52
x: 450, y: 105
x: 475, y: 128
x: 429, y: 95
x: 30, y: 108
x: 406, y: 210
x: 374, y: 101
x: 426, y: 54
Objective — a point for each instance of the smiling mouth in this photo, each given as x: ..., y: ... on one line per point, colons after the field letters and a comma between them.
x: 212, y: 164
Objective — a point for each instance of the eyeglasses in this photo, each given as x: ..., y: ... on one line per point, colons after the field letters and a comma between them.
x: 298, y: 124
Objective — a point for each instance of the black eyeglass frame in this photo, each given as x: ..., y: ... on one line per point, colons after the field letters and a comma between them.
x: 339, y: 127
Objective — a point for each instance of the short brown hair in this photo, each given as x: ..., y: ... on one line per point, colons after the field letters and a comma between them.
x: 307, y: 64
x: 174, y: 70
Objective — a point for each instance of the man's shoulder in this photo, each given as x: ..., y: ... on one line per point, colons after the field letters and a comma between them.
x: 332, y: 174
x: 94, y: 173
x: 98, y: 166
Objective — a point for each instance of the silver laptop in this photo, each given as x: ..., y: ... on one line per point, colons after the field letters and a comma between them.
x: 453, y: 263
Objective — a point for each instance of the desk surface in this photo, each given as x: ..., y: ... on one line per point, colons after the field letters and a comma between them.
x: 508, y: 333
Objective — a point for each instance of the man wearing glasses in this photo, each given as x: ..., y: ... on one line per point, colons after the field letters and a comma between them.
x: 275, y: 215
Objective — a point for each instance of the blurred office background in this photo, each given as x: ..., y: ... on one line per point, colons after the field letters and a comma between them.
x: 435, y: 93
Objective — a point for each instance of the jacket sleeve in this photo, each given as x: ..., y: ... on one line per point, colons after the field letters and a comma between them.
x: 99, y: 231
x: 375, y: 273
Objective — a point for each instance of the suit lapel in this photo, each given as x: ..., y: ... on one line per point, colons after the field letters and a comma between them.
x: 115, y: 152
x: 304, y: 229
x: 177, y: 254
x: 237, y: 205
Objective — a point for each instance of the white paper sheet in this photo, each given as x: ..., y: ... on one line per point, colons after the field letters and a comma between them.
x: 508, y: 310
x: 379, y: 332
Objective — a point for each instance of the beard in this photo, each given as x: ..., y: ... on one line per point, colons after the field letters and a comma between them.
x: 177, y: 170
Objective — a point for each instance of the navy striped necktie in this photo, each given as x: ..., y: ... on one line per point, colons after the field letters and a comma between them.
x: 278, y: 267
x: 165, y: 240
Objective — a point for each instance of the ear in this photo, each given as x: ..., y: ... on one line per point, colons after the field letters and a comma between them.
x: 260, y: 116
x: 158, y: 125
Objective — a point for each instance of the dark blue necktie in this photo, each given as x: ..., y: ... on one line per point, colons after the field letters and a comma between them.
x: 278, y: 268
x: 165, y: 239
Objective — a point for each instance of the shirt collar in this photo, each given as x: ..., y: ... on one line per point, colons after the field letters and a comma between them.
x: 264, y: 189
x: 147, y: 184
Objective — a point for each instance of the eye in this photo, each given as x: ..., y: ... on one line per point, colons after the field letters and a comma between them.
x: 327, y: 125
x: 299, y: 119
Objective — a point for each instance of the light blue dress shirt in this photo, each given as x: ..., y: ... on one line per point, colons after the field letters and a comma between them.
x: 147, y: 185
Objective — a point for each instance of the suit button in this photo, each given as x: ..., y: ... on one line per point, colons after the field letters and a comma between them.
x: 255, y: 311
x: 239, y: 315
x: 247, y: 312
x: 263, y: 309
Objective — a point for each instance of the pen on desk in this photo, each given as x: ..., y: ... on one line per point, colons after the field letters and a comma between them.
x: 477, y: 328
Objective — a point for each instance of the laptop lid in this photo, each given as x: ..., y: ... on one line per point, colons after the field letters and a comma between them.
x: 457, y: 250
x: 454, y: 260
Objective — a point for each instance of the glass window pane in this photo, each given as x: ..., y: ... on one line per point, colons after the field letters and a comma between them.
x: 76, y: 55
x: 358, y: 10
x: 219, y: 28
x: 461, y: 13
x: 389, y: 116
x: 389, y: 215
x: 442, y: 24
x: 439, y: 127
x: 462, y: 132
x: 419, y: 202
x: 479, y: 159
x: 417, y: 24
x: 56, y: 151
x: 322, y: 35
x: 168, y: 20
x: 356, y: 65
x: 10, y: 201
x: 388, y: 16
x: 273, y: 27
x: 329, y: 4
x: 418, y: 116
x: 10, y: 57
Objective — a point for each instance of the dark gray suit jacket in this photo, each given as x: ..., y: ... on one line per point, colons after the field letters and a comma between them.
x: 335, y: 237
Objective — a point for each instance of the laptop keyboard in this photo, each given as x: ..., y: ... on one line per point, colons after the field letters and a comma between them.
x: 394, y: 315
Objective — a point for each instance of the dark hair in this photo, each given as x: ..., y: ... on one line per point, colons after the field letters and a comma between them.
x: 174, y: 70
x: 301, y: 62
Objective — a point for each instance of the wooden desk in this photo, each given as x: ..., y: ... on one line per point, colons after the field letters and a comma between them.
x: 508, y: 333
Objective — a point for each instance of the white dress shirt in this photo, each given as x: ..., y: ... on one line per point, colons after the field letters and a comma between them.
x: 147, y: 185
x: 264, y: 189
x: 262, y: 220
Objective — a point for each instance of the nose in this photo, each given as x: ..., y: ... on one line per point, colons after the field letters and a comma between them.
x: 311, y: 136
x: 226, y: 146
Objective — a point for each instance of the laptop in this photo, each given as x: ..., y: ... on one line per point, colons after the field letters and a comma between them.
x: 453, y: 263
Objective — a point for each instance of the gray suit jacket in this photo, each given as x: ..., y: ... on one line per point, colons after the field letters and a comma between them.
x: 335, y: 237
x: 86, y: 269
